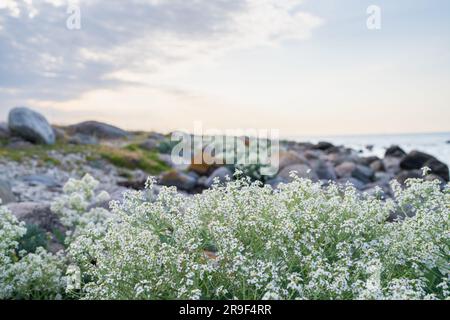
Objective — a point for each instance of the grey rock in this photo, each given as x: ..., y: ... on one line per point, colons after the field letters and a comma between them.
x: 30, y: 125
x: 150, y: 144
x: 392, y: 164
x: 289, y: 158
x: 17, y: 143
x: 60, y: 134
x: 44, y: 180
x: 363, y: 173
x: 377, y: 166
x: 35, y: 213
x: 438, y: 168
x: 301, y: 170
x: 6, y: 194
x: 221, y: 173
x: 178, y: 179
x: 345, y: 170
x: 359, y: 185
x: 98, y: 129
x: 325, y: 171
x: 83, y: 139
x: 395, y: 151
x: 322, y: 145
x: 405, y: 175
x: 417, y: 160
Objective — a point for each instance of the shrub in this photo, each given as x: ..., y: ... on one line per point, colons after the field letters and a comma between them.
x: 246, y: 241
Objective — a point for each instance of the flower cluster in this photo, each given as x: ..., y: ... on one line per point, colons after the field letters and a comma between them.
x: 23, y: 275
x: 247, y: 241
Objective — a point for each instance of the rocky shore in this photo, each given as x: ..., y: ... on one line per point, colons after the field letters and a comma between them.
x: 36, y: 159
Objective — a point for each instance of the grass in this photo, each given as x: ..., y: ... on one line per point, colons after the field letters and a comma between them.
x: 130, y: 156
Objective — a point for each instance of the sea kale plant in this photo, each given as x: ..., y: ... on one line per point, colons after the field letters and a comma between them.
x: 244, y: 241
x: 247, y: 241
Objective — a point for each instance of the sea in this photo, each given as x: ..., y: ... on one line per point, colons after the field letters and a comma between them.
x: 436, y: 144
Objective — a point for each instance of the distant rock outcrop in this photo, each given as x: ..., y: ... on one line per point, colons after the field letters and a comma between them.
x: 30, y: 125
x: 97, y: 129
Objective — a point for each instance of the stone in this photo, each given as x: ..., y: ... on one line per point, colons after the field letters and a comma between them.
x: 301, y: 170
x: 289, y: 158
x: 438, y: 168
x: 410, y: 174
x: 60, y: 134
x: 83, y: 139
x: 98, y: 129
x: 6, y: 194
x: 31, y: 126
x: 34, y: 180
x: 392, y: 164
x: 363, y: 173
x: 177, y: 179
x: 418, y: 160
x: 38, y: 214
x: 322, y: 145
x: 17, y: 143
x: 345, y: 169
x: 359, y: 185
x: 325, y: 171
x: 377, y: 166
x: 150, y: 144
x: 222, y: 173
x: 395, y: 151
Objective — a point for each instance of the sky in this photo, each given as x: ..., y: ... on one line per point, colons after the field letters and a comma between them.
x: 304, y: 67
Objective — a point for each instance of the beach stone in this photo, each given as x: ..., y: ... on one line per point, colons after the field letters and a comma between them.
x: 392, y: 164
x: 345, y: 169
x: 175, y: 178
x: 6, y: 194
x: 377, y: 166
x: 289, y: 158
x: 302, y: 171
x: 359, y: 185
x: 395, y: 151
x: 410, y: 174
x: 31, y: 126
x: 363, y: 173
x: 17, y: 143
x: 438, y: 168
x: 325, y: 171
x: 221, y: 173
x: 417, y: 160
x: 98, y: 129
x: 323, y: 145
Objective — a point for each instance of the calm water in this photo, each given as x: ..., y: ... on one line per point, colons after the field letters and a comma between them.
x: 431, y: 143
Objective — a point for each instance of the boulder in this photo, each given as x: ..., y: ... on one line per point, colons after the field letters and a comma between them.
x: 150, y: 144
x: 417, y: 160
x: 359, y: 185
x: 363, y: 173
x: 395, y: 151
x: 322, y: 145
x: 392, y: 164
x: 178, y: 179
x: 17, y: 143
x: 6, y: 194
x: 289, y: 158
x: 4, y: 130
x: 301, y: 170
x: 222, y: 173
x: 438, y: 168
x: 377, y: 166
x: 36, y: 180
x: 31, y: 126
x: 345, y: 169
x: 325, y: 171
x: 410, y: 174
x: 83, y: 139
x: 38, y: 214
x: 98, y: 129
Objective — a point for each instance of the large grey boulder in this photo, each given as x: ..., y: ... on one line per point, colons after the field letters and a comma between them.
x: 98, y: 129
x: 6, y: 194
x: 31, y: 126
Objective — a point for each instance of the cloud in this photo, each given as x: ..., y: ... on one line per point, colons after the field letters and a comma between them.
x: 41, y: 59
